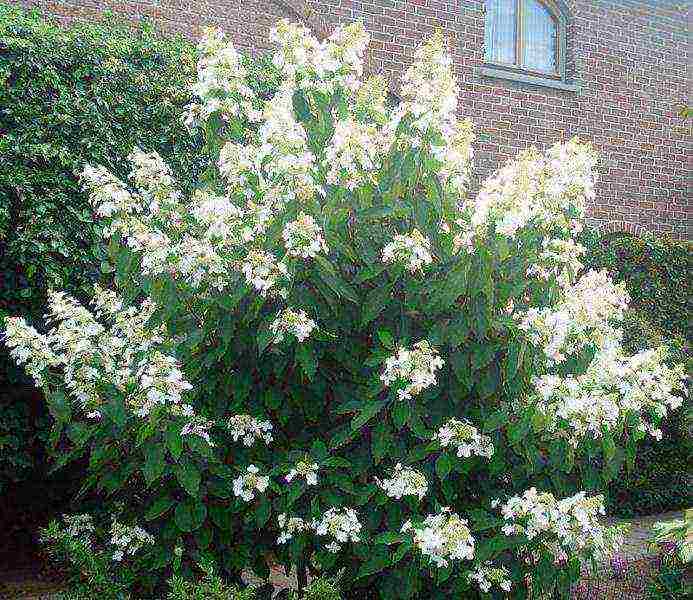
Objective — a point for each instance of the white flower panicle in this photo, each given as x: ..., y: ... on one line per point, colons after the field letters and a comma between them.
x: 221, y: 82
x: 128, y: 540
x: 340, y: 524
x: 563, y: 527
x: 548, y: 191
x: 587, y: 315
x: 559, y: 259
x: 264, y: 272
x: 290, y: 526
x: 413, y: 251
x: 614, y: 388
x: 123, y: 353
x: 245, y: 486
x: 307, y: 470
x: 413, y: 369
x: 442, y: 537
x: 79, y: 526
x: 429, y: 89
x: 29, y: 348
x: 466, y: 438
x: 353, y: 153
x: 404, y: 481
x: 294, y: 323
x: 308, y: 63
x: 303, y: 237
x: 249, y: 429
x: 487, y: 576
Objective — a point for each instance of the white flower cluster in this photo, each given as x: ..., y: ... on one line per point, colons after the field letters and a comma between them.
x: 613, y: 388
x: 264, y: 272
x: 308, y: 470
x: 404, y: 481
x: 465, y: 437
x: 290, y: 526
x: 585, y: 316
x: 341, y: 524
x: 91, y: 356
x: 335, y: 62
x: 413, y: 251
x: 247, y: 484
x: 303, y: 237
x: 549, y: 191
x: 559, y: 259
x: 295, y: 323
x: 414, y: 369
x: 221, y: 82
x: 249, y: 429
x: 79, y: 526
x: 562, y: 527
x: 353, y: 153
x: 487, y: 576
x: 128, y: 540
x: 442, y: 537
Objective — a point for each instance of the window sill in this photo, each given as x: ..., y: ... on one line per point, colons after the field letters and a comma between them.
x: 526, y: 78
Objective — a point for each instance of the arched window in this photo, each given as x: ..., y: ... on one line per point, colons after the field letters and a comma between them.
x: 526, y: 35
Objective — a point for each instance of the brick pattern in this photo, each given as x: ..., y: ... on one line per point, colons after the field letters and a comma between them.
x: 629, y: 57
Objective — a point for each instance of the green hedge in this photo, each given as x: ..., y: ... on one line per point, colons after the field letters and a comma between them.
x: 68, y: 96
x: 656, y: 272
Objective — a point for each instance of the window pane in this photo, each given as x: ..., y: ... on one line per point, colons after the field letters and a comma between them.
x: 500, y: 31
x: 539, y: 29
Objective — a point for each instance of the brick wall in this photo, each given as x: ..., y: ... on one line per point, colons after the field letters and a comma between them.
x: 629, y: 57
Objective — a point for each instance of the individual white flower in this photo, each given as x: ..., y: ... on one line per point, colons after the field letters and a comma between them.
x: 341, y: 524
x: 442, y: 537
x: 295, y: 323
x: 247, y: 484
x: 304, y: 469
x: 303, y: 237
x: 289, y: 527
x: 413, y: 251
x: 413, y: 368
x: 404, y: 481
x: 249, y: 429
x: 466, y: 438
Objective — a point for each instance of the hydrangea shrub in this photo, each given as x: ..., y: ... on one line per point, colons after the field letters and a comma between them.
x: 331, y: 355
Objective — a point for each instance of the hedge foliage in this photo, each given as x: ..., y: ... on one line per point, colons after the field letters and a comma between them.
x: 656, y: 271
x: 106, y: 89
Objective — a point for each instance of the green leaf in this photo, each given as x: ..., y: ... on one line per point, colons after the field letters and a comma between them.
x: 307, y: 360
x: 174, y: 441
x: 495, y: 420
x: 376, y: 300
x: 189, y: 477
x: 262, y: 512
x: 369, y: 410
x: 518, y: 430
x: 378, y: 559
x: 386, y: 338
x: 190, y: 515
x: 154, y: 464
x: 160, y: 506
x: 444, y: 465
